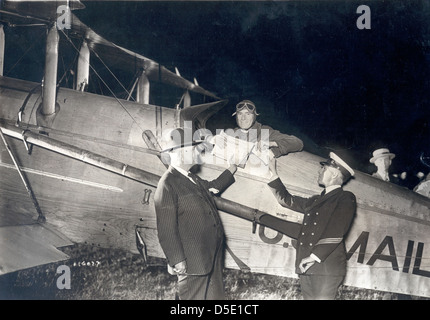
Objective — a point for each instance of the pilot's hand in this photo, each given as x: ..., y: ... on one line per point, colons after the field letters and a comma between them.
x: 264, y: 145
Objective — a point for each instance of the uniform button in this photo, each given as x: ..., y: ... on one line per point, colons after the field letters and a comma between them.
x: 305, y: 223
x: 313, y: 233
x: 310, y: 244
x: 301, y: 243
x: 317, y: 213
x: 308, y: 214
x: 303, y: 233
x: 315, y: 223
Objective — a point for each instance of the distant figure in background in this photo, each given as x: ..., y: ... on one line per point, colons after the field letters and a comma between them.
x: 320, y: 252
x: 279, y: 143
x: 382, y: 159
x: 189, y: 228
x: 424, y: 186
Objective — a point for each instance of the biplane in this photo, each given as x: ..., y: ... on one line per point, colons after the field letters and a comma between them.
x: 80, y: 167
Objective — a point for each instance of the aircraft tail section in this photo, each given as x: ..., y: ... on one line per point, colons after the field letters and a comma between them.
x: 199, y: 114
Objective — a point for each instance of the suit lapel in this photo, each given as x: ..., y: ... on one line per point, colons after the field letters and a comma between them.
x: 196, y: 188
x: 203, y: 192
x: 183, y: 179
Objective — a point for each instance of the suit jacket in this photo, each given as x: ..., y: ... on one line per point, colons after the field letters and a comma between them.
x: 391, y: 178
x: 326, y: 221
x: 188, y: 223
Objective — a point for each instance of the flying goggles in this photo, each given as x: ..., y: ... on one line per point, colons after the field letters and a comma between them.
x: 249, y: 105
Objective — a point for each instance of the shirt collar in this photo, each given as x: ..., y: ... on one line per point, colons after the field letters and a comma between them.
x: 331, y: 188
x: 183, y: 172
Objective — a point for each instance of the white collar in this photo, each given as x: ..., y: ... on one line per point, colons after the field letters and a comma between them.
x: 331, y: 188
x: 185, y: 173
x: 384, y: 175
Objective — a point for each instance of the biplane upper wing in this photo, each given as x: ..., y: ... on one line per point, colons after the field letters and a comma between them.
x: 45, y: 12
x: 34, y: 11
x: 132, y: 61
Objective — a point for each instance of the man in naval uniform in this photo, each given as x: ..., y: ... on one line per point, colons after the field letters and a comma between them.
x: 190, y: 230
x: 320, y: 253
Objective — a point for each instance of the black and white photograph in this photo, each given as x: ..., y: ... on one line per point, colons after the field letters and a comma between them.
x: 230, y: 151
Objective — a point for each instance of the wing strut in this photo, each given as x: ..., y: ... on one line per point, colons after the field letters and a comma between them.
x: 41, y: 217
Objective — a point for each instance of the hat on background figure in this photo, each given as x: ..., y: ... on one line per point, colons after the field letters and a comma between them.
x: 381, y: 153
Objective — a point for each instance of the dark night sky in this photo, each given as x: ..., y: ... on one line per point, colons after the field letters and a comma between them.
x: 305, y: 64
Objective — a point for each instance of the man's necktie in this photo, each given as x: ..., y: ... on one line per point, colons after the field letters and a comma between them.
x: 191, y: 177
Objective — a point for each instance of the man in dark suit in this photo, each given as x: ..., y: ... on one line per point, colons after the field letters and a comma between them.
x: 189, y: 227
x: 320, y: 252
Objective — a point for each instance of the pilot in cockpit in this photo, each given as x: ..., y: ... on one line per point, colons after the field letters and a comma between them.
x: 250, y: 129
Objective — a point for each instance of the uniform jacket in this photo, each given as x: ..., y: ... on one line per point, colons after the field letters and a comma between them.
x: 188, y: 223
x: 286, y: 143
x: 326, y: 221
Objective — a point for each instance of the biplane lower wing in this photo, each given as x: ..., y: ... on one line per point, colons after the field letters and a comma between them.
x: 29, y: 245
x: 24, y: 242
